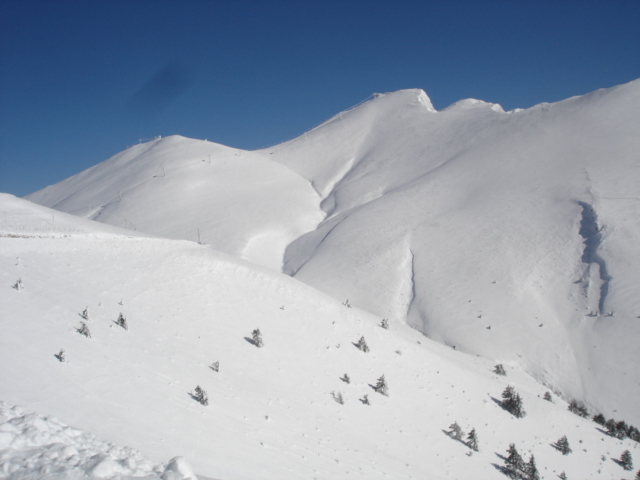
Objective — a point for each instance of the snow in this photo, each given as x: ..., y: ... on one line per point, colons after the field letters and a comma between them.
x: 36, y: 447
x: 180, y: 188
x: 484, y: 236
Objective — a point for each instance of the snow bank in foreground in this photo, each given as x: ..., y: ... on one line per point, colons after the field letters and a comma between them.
x: 35, y: 447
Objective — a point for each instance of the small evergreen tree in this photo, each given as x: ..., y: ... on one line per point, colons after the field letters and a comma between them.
x: 626, y: 461
x: 201, y: 396
x: 563, y: 445
x: 362, y: 345
x: 512, y: 402
x: 610, y: 425
x: 122, y: 322
x: 85, y: 313
x: 499, y: 370
x: 577, y: 408
x: 215, y: 366
x: 381, y: 386
x: 365, y: 400
x: 61, y: 356
x: 84, y: 330
x: 338, y: 397
x: 455, y: 431
x: 514, y: 465
x: 472, y: 440
x: 385, y: 324
x: 257, y: 337
x: 562, y: 476
x: 18, y: 285
x: 531, y: 470
x: 548, y: 397
x: 621, y: 429
x: 346, y: 378
x: 599, y: 419
x: 637, y: 475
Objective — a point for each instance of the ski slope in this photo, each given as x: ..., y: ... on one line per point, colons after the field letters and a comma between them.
x: 271, y: 412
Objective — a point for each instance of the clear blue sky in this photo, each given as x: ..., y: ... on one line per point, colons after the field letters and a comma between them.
x: 82, y: 80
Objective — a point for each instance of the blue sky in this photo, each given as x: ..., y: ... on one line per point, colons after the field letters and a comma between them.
x: 82, y: 80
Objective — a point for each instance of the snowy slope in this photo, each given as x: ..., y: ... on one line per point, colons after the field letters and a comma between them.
x: 236, y: 201
x: 510, y: 235
x: 271, y: 414
x: 471, y: 223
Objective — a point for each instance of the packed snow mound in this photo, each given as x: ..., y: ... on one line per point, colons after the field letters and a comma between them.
x: 33, y: 447
x: 175, y: 187
x: 302, y: 406
x: 511, y: 235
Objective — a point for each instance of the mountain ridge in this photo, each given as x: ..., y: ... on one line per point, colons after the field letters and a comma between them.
x: 465, y: 222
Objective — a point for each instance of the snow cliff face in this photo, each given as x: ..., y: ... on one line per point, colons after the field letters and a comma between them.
x: 469, y: 223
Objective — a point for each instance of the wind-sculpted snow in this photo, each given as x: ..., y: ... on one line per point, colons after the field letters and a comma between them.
x: 487, y: 203
x: 36, y: 448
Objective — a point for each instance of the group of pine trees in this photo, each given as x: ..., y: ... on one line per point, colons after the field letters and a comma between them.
x: 618, y: 429
x: 456, y: 433
x: 512, y: 402
x: 515, y: 466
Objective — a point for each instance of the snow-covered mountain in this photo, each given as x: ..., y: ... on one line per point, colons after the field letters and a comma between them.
x: 511, y: 235
x: 282, y: 411
x: 484, y: 237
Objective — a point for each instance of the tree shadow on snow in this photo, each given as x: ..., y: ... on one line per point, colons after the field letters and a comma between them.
x: 501, y: 468
x: 251, y: 341
x: 498, y: 402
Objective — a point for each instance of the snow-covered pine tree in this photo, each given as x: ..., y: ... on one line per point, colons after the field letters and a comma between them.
x: 201, y: 396
x: 18, y: 285
x: 562, y: 476
x: 499, y: 370
x: 637, y: 475
x: 61, y: 355
x: 122, y: 321
x: 599, y: 419
x: 512, y: 402
x: 257, y: 337
x: 563, y: 445
x: 365, y: 400
x: 385, y: 323
x: 548, y: 397
x: 472, y: 440
x: 514, y: 465
x: 84, y: 330
x: 346, y: 378
x: 382, y: 387
x: 362, y: 345
x: 85, y: 313
x: 626, y: 461
x: 455, y: 431
x: 215, y: 366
